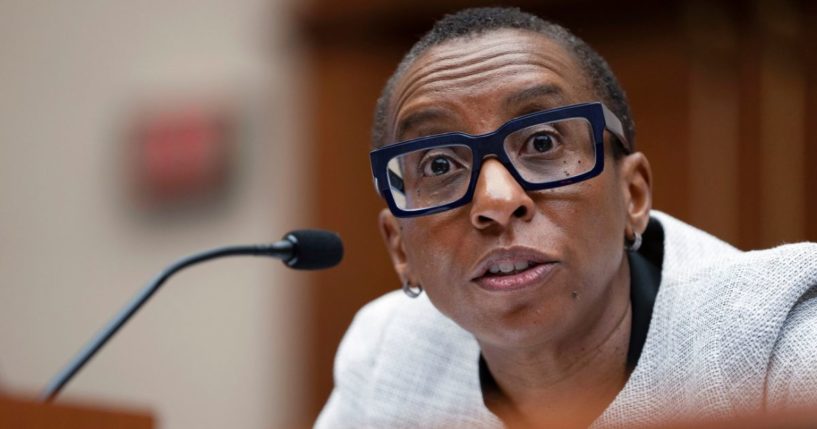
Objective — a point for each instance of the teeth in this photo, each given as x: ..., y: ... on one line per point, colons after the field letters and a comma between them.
x: 508, y: 267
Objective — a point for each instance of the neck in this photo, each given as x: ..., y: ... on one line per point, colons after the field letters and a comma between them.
x: 569, y: 382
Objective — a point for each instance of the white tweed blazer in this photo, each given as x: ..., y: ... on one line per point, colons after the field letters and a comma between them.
x: 730, y: 331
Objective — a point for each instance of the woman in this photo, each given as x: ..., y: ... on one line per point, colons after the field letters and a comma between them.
x: 520, y: 221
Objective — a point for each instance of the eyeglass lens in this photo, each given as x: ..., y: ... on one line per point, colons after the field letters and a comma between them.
x: 540, y: 153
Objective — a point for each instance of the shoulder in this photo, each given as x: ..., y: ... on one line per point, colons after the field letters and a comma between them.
x: 395, y: 332
x: 698, y: 265
x: 736, y: 327
x: 356, y: 358
x: 400, y: 351
x: 380, y: 321
x: 393, y: 314
x: 687, y: 247
x: 740, y: 295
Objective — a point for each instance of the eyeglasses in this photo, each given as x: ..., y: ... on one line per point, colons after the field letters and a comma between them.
x: 541, y: 150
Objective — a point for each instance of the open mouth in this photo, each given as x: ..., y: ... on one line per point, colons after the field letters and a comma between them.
x: 513, y: 268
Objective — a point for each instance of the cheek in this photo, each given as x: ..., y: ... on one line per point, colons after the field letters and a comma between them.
x: 600, y: 238
x: 431, y: 250
x: 438, y: 258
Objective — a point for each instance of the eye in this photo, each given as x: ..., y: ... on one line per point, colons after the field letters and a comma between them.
x: 437, y: 165
x: 542, y: 142
x: 443, y: 162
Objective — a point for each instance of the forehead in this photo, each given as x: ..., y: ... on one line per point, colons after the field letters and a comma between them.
x: 486, y: 75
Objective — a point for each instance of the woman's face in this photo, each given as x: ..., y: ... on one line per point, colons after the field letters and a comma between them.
x: 559, y: 252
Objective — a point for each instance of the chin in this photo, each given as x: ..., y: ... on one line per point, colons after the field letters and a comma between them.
x: 524, y: 324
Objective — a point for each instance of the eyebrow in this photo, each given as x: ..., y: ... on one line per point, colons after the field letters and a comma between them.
x: 537, y: 92
x: 416, y: 119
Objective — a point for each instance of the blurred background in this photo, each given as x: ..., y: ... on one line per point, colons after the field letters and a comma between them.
x: 134, y: 133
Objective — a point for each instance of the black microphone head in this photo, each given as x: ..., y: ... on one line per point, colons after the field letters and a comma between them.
x: 314, y: 249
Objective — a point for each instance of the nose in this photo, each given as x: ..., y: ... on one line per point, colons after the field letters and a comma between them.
x: 498, y: 198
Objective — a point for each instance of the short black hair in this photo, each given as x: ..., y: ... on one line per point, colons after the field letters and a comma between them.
x: 477, y: 21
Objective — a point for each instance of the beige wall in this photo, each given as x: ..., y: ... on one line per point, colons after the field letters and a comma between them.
x: 218, y: 347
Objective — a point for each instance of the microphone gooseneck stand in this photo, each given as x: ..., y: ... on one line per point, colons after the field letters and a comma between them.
x: 302, y: 250
x: 51, y: 391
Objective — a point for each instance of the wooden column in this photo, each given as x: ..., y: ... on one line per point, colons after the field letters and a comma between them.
x: 782, y: 123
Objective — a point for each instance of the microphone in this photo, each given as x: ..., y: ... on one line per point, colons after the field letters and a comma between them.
x: 311, y: 249
x: 308, y: 249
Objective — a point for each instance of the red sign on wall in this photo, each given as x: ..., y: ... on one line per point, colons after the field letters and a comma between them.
x: 182, y: 155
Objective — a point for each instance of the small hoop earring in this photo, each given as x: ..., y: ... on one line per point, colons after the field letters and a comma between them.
x: 635, y: 244
x: 412, y: 291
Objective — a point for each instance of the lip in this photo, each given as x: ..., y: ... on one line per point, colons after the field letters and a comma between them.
x: 541, y: 268
x: 530, y: 277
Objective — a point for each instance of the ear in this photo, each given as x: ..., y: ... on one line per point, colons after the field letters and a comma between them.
x: 636, y: 182
x: 393, y: 237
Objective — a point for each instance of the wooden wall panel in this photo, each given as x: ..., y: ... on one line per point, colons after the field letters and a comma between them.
x: 714, y: 118
x: 652, y: 63
x: 782, y: 123
x: 750, y: 117
x: 345, y: 84
x: 809, y: 53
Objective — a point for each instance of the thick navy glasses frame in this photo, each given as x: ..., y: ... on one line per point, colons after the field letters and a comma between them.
x: 596, y: 113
